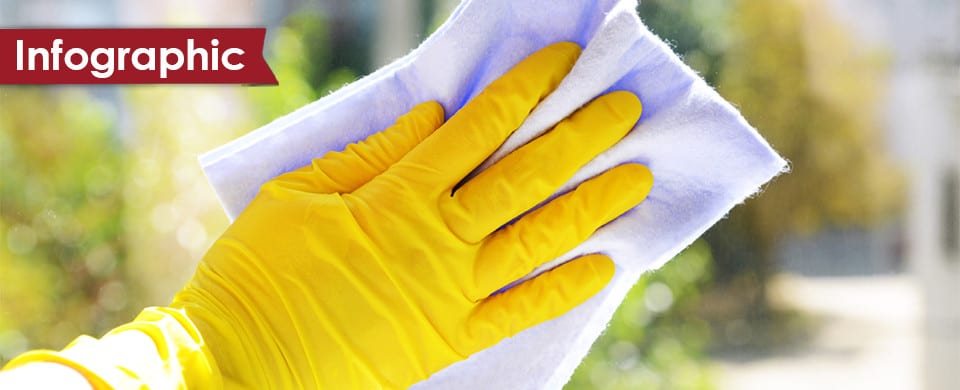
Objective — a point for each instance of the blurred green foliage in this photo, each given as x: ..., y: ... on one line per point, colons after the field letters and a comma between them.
x: 656, y: 337
x: 788, y: 69
x: 697, y: 30
x: 61, y: 193
x: 301, y: 58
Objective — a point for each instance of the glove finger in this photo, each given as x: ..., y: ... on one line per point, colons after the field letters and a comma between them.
x: 478, y: 128
x: 537, y: 300
x: 558, y: 226
x: 358, y: 163
x: 527, y: 176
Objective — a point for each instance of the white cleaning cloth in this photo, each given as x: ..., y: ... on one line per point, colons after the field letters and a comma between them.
x: 704, y: 157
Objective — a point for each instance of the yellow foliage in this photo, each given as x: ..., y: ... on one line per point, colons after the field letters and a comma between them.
x: 813, y: 92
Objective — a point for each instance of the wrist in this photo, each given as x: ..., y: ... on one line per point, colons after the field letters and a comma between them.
x: 226, y: 340
x: 43, y: 375
x: 158, y: 349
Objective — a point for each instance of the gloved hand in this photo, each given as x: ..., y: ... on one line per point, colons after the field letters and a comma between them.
x: 373, y: 268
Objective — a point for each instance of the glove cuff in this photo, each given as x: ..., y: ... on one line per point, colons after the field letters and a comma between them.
x: 123, y: 358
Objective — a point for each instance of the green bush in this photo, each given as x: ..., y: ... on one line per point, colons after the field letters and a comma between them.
x: 655, y: 340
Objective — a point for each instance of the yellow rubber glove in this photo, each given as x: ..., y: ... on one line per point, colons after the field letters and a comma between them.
x: 372, y: 268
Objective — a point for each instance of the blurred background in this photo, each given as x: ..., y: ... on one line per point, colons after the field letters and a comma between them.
x: 844, y: 273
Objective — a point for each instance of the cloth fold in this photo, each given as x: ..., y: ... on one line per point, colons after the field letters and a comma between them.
x: 704, y: 156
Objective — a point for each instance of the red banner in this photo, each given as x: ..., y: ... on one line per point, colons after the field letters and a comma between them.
x: 134, y: 56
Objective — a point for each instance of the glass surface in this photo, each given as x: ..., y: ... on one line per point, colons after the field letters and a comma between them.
x: 843, y: 273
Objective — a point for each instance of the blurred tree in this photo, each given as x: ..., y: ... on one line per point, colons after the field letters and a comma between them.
x: 697, y: 30
x: 303, y: 58
x: 788, y: 69
x: 63, y: 256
